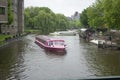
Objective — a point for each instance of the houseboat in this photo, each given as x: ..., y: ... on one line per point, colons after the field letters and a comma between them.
x: 50, y: 44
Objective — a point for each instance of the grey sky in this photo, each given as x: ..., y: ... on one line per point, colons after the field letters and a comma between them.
x: 66, y: 7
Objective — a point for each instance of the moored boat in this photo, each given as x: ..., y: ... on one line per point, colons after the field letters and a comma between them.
x: 64, y: 33
x: 57, y: 45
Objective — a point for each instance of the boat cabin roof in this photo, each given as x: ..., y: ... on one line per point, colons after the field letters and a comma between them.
x: 47, y: 38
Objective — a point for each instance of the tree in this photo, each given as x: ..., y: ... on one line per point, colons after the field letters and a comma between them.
x: 115, y: 14
x: 96, y: 15
x: 62, y: 22
x: 84, y: 18
x: 109, y: 20
x: 44, y: 19
x: 103, y: 14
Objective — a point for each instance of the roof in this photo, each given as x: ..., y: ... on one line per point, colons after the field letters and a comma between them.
x: 45, y: 38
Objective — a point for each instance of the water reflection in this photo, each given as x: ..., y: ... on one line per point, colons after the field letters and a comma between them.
x: 102, y: 62
x: 25, y: 60
x: 11, y: 61
x: 57, y: 54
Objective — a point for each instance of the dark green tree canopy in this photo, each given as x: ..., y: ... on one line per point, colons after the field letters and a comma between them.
x: 44, y: 19
x: 84, y: 18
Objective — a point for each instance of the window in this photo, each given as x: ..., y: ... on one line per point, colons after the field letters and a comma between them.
x: 2, y: 11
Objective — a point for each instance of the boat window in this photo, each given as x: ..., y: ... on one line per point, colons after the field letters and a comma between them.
x: 50, y: 43
x: 58, y: 43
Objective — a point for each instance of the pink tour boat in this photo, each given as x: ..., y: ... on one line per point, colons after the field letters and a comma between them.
x: 50, y: 44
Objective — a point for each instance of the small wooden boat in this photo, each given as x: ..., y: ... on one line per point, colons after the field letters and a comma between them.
x: 50, y: 44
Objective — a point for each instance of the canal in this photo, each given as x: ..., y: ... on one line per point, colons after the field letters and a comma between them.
x: 24, y: 60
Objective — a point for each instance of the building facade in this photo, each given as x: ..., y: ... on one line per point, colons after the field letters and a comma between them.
x: 3, y: 11
x: 20, y: 16
x: 17, y: 25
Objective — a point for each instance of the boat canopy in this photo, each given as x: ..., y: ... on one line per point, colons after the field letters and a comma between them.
x: 42, y: 37
x: 46, y: 38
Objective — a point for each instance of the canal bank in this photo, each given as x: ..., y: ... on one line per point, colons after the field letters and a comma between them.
x: 5, y: 39
x: 102, y: 38
x: 25, y: 60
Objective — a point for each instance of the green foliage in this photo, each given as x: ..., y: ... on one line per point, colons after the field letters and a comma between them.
x: 2, y: 37
x: 32, y: 31
x: 61, y: 22
x: 112, y: 15
x: 102, y: 14
x: 74, y: 24
x: 108, y: 12
x: 95, y: 15
x: 116, y: 14
x: 84, y: 18
x: 44, y: 20
x: 10, y: 13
